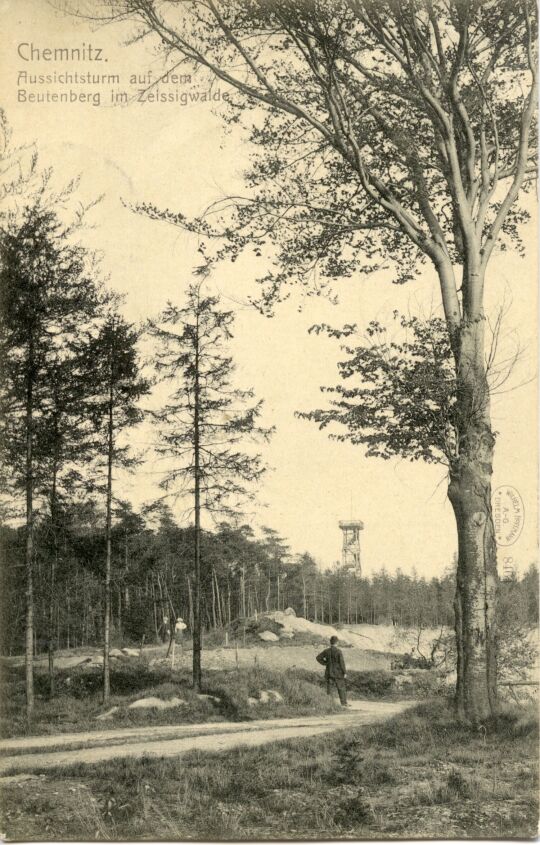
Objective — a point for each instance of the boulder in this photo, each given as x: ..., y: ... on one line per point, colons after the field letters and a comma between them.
x: 130, y: 652
x: 257, y: 626
x: 289, y: 611
x: 205, y: 697
x: 97, y: 660
x: 402, y: 680
x: 108, y: 715
x: 115, y: 652
x: 72, y: 662
x: 252, y: 701
x: 267, y: 695
x: 157, y: 703
x: 268, y: 637
x: 286, y: 635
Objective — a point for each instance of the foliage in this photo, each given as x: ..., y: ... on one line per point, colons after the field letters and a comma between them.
x: 117, y: 388
x: 49, y: 299
x: 516, y: 612
x: 191, y: 354
x: 384, y: 127
x: 78, y: 697
x: 400, y: 394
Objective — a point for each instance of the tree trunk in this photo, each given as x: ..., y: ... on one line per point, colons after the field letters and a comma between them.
x: 220, y: 614
x: 29, y: 549
x: 154, y: 611
x: 243, y: 590
x: 108, y: 523
x: 197, y: 634
x: 470, y: 495
x: 214, y: 617
x: 54, y: 566
x: 50, y: 631
x: 190, y: 605
x: 267, y: 597
x: 119, y: 615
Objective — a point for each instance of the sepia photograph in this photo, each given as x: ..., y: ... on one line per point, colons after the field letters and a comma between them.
x: 268, y: 420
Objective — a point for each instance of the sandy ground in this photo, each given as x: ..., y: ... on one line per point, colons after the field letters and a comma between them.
x: 275, y: 657
x: 365, y: 647
x: 174, y: 740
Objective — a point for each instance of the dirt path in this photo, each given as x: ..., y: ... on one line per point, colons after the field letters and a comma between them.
x: 172, y: 740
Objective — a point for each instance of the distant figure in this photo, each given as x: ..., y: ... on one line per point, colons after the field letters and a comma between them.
x: 335, y: 671
x: 164, y: 631
x: 179, y: 629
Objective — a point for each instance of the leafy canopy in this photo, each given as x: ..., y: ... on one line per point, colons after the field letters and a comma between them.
x: 387, y: 128
x: 399, y: 396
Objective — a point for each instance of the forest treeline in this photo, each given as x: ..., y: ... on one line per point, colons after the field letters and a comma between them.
x: 244, y: 574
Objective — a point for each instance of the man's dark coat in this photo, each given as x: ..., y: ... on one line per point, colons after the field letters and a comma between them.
x: 332, y: 659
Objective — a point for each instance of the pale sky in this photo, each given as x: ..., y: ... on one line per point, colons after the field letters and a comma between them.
x: 179, y: 157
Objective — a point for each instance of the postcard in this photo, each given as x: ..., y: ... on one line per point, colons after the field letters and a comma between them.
x: 268, y: 415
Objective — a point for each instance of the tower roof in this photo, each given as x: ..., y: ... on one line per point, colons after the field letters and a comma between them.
x: 351, y: 523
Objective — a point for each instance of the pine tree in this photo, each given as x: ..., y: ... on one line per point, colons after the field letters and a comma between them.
x: 113, y: 408
x: 204, y: 422
x: 47, y: 296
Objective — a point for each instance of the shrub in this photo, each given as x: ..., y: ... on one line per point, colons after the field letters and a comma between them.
x: 352, y: 765
x: 458, y: 784
x: 352, y: 811
x: 514, y: 721
x: 375, y: 683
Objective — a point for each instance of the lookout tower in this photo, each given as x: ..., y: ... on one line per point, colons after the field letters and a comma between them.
x: 350, y: 551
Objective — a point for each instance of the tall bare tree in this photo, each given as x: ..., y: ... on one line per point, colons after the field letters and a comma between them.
x: 382, y: 128
x: 205, y: 423
x: 114, y: 407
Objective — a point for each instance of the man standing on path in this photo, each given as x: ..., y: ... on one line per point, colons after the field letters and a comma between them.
x: 335, y: 671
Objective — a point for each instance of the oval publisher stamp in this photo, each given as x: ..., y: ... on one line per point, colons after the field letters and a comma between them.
x: 508, y: 514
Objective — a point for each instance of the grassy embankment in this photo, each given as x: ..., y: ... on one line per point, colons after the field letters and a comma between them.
x: 419, y: 775
x: 78, y: 700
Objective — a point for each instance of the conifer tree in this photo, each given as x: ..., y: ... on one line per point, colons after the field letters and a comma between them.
x: 113, y: 408
x: 205, y: 423
x: 47, y: 296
